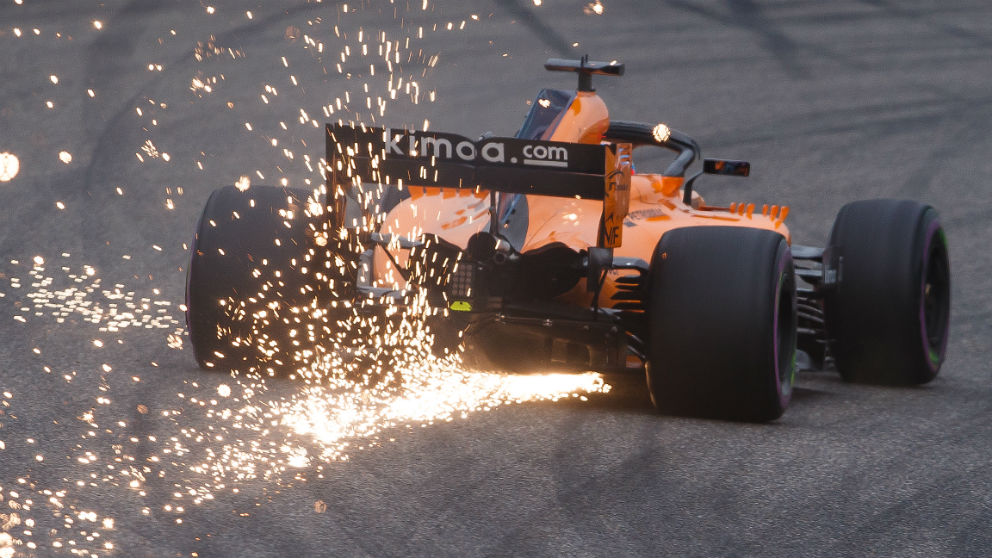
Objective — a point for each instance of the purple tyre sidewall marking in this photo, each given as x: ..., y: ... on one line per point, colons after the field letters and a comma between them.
x: 784, y: 396
x: 927, y: 349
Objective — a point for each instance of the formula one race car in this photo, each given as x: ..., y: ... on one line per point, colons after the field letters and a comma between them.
x: 549, y: 251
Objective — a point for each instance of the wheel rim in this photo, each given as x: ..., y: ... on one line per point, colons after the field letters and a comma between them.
x: 935, y: 299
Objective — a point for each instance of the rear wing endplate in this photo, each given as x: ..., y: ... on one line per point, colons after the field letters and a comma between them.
x: 404, y: 158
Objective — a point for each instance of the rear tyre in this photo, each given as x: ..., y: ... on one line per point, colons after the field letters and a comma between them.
x: 888, y: 316
x: 255, y: 269
x: 722, y: 323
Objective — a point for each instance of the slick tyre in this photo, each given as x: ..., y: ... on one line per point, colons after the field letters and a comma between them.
x: 721, y: 323
x: 254, y: 264
x: 887, y: 317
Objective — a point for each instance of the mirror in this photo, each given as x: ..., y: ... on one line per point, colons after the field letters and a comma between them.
x: 726, y: 167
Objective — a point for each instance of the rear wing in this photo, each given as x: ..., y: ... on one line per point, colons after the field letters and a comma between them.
x: 404, y: 158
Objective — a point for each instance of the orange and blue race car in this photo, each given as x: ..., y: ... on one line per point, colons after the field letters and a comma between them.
x: 551, y: 250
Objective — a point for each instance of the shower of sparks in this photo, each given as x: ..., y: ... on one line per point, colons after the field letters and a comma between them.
x: 9, y: 166
x: 359, y: 383
x: 249, y: 427
x: 80, y: 296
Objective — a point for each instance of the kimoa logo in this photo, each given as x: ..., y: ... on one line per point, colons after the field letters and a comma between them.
x: 491, y: 151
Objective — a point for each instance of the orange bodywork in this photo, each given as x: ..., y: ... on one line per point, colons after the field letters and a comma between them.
x: 655, y: 207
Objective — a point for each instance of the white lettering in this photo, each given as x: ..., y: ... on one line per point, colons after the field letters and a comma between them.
x: 434, y: 147
x: 465, y: 150
x: 493, y: 152
x: 544, y: 155
x: 392, y: 142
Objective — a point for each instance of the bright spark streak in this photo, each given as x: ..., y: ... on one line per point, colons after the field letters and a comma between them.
x: 596, y: 8
x: 9, y: 166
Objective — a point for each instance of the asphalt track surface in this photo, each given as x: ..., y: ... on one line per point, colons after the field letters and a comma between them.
x: 102, y: 431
